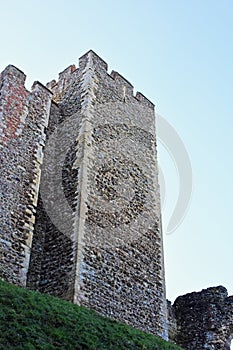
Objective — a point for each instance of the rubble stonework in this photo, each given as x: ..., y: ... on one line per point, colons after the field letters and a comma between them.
x: 99, y: 243
x: 203, y: 320
x: 23, y: 119
x: 80, y: 204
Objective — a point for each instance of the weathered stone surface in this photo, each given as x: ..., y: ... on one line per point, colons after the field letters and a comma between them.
x: 80, y: 200
x: 204, y: 320
x: 112, y: 236
x: 23, y: 119
x: 93, y: 234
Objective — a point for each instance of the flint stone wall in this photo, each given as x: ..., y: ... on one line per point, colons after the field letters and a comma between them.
x: 92, y: 233
x: 106, y: 253
x: 23, y: 119
x: 203, y: 320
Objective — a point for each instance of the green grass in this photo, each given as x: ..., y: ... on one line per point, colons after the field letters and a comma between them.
x: 30, y: 320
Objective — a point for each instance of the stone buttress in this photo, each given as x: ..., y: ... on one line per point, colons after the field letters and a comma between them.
x: 98, y: 239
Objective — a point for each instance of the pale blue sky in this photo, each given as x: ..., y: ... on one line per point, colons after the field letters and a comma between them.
x: 180, y: 55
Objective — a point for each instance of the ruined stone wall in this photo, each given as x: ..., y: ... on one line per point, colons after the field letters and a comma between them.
x: 204, y: 320
x: 23, y: 119
x: 100, y: 222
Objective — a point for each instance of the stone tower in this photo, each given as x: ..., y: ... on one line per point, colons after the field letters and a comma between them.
x: 95, y: 225
x: 80, y: 204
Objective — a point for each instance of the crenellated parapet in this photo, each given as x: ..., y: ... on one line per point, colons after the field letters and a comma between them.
x: 115, y: 80
x: 123, y: 84
x: 60, y: 86
x: 13, y: 103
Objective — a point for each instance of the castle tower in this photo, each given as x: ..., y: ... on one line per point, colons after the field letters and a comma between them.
x: 97, y: 238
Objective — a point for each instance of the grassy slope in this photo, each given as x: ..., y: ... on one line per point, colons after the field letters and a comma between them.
x: 30, y: 320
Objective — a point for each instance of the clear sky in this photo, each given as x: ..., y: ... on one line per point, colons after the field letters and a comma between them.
x: 180, y: 55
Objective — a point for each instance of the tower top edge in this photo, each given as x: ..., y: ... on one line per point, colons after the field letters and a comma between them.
x: 97, y: 60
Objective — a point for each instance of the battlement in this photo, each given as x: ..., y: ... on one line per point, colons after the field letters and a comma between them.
x: 91, y: 60
x: 143, y: 99
x: 123, y: 83
x: 66, y: 73
x: 96, y: 61
x: 16, y: 101
x: 37, y: 85
x: 13, y: 72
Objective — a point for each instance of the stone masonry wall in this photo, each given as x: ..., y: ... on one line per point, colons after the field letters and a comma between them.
x: 121, y: 274
x: 95, y: 225
x: 103, y: 206
x: 204, y: 320
x: 23, y: 119
x: 52, y: 265
x: 80, y: 204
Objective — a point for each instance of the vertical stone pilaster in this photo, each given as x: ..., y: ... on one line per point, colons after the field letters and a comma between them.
x: 88, y: 87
